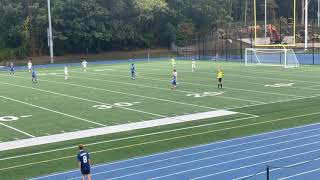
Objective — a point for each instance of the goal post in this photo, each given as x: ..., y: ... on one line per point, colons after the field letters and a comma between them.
x: 271, y: 57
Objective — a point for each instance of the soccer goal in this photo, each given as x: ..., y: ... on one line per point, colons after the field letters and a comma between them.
x: 271, y: 57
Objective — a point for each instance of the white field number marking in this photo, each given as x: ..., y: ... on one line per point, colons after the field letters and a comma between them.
x: 46, y: 74
x: 280, y: 85
x: 12, y: 118
x: 205, y: 94
x: 119, y: 104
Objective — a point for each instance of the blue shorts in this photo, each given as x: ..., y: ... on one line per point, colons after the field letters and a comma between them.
x: 12, y: 69
x: 33, y: 76
x: 85, y: 171
x: 174, y: 82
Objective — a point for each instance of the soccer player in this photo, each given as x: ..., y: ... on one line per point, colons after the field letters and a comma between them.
x: 84, y: 163
x: 219, y: 78
x: 173, y: 62
x: 30, y: 65
x: 174, y: 79
x: 193, y: 65
x: 34, y: 76
x: 11, y: 69
x: 84, y: 65
x: 133, y: 71
x: 66, y: 73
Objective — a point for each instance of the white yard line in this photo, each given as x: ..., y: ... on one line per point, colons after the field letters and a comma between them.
x: 119, y: 92
x: 197, y: 84
x: 224, y: 97
x: 57, y: 112
x: 273, y: 102
x: 172, y: 138
x: 15, y: 129
x: 111, y: 129
x: 245, y: 82
x: 256, y: 77
x: 83, y: 99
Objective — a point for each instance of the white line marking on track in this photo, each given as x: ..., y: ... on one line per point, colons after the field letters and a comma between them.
x: 158, y: 154
x: 172, y: 138
x: 205, y: 151
x: 307, y: 172
x: 251, y: 165
x: 211, y: 165
x: 274, y: 169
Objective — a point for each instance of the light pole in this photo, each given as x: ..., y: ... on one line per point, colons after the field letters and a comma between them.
x: 50, y: 34
x: 318, y: 13
x: 306, y: 25
x: 265, y: 21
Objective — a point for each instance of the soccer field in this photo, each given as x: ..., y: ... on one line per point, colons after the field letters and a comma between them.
x: 98, y: 103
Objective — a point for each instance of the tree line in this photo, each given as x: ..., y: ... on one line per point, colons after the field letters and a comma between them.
x: 93, y: 26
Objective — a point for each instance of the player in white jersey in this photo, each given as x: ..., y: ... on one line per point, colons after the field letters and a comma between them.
x: 29, y: 65
x: 66, y: 73
x: 193, y: 65
x: 84, y: 65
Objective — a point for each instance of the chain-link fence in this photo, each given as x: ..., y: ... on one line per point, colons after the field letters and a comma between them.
x: 228, y: 43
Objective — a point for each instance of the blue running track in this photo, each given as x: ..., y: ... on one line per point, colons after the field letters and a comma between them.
x: 291, y: 154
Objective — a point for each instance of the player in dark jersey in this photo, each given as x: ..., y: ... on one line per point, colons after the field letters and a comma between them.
x: 84, y: 163
x: 11, y: 69
x: 34, y: 76
x: 133, y: 71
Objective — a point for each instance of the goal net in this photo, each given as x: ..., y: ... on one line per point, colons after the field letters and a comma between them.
x: 271, y: 57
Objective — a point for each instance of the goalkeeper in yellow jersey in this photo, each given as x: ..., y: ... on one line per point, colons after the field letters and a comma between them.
x: 173, y: 62
x: 219, y: 78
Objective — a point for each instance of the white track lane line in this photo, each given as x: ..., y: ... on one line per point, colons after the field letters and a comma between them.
x: 205, y: 151
x: 260, y: 163
x: 272, y: 170
x: 296, y: 175
x: 173, y: 138
x: 212, y: 165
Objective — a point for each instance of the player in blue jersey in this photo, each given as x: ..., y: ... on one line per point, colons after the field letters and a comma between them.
x: 34, y: 76
x: 11, y: 69
x: 133, y: 71
x: 84, y: 163
x: 174, y: 79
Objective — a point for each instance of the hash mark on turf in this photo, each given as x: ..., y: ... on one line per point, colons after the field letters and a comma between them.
x: 25, y: 116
